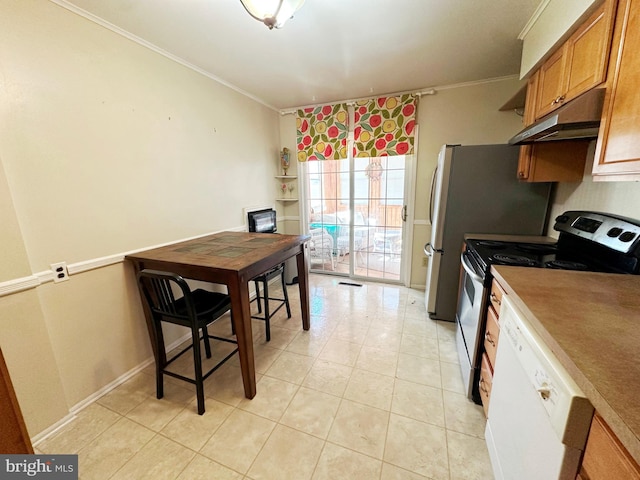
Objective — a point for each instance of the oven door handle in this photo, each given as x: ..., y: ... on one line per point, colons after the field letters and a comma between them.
x: 469, y: 269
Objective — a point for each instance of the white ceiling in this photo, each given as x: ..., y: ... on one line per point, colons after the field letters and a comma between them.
x: 332, y: 49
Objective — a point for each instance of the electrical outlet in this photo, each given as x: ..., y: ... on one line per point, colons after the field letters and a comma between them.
x: 60, y: 272
x: 424, y: 261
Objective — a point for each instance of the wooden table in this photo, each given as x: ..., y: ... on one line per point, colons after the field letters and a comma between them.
x: 231, y: 259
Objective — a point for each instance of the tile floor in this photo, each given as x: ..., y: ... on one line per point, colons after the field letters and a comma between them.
x: 372, y: 391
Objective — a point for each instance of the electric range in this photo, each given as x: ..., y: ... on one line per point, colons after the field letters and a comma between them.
x: 588, y: 241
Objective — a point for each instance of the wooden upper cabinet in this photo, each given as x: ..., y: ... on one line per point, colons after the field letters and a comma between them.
x: 579, y: 64
x: 557, y: 161
x: 617, y: 154
x: 551, y: 84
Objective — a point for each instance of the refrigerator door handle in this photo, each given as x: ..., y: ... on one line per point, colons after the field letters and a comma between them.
x: 469, y: 269
x: 429, y: 250
x: 432, y: 193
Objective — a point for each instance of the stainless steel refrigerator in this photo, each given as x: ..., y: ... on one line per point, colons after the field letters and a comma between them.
x: 475, y: 189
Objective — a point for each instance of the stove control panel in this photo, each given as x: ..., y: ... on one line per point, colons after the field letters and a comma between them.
x: 618, y: 233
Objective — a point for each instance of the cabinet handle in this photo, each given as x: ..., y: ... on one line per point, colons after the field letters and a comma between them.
x: 495, y: 299
x: 557, y: 100
x: 483, y: 388
x: 489, y: 339
x: 521, y: 174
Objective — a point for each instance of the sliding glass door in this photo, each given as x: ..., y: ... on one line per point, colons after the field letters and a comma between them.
x: 356, y: 209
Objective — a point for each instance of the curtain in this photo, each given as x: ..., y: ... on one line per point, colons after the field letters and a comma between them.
x: 385, y: 126
x: 322, y: 132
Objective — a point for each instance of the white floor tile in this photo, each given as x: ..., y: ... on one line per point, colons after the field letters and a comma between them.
x: 372, y: 391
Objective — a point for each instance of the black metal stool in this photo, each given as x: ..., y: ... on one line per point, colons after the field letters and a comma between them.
x: 264, y: 279
x: 195, y: 310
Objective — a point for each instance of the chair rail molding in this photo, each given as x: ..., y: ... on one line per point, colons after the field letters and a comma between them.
x: 21, y: 284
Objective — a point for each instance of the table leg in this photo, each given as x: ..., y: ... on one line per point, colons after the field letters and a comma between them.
x: 303, y: 285
x: 239, y: 293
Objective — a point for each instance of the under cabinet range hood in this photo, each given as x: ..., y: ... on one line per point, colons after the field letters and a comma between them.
x: 580, y: 118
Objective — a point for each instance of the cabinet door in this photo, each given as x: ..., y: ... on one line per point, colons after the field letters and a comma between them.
x: 486, y: 381
x: 618, y: 148
x: 495, y: 297
x: 524, y: 160
x: 588, y: 52
x: 551, y: 84
x: 604, y: 457
x: 559, y: 161
x: 491, y: 336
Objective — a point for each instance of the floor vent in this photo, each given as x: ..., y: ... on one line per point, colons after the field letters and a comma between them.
x: 351, y: 284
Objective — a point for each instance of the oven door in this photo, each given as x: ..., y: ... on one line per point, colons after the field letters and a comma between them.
x: 468, y: 319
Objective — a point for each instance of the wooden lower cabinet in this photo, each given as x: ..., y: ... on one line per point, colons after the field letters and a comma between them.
x: 490, y: 344
x: 486, y: 380
x: 605, y: 458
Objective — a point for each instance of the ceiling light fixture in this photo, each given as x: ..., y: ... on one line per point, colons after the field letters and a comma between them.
x: 273, y: 13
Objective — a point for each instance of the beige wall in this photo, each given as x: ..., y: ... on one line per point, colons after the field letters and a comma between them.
x: 107, y: 147
x: 24, y: 337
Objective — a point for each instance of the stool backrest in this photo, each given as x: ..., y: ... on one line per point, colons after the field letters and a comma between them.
x: 157, y: 289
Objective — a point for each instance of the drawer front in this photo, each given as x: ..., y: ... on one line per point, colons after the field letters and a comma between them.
x: 496, y: 296
x: 486, y: 379
x: 491, y: 336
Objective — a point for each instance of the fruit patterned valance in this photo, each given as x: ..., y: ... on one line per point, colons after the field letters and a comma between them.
x: 384, y: 126
x: 322, y: 132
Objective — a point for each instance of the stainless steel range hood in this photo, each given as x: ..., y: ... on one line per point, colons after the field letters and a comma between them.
x: 580, y: 118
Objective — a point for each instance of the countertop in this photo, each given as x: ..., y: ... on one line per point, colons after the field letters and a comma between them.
x: 591, y: 322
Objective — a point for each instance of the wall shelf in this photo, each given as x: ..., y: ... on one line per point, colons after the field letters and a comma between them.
x: 284, y: 179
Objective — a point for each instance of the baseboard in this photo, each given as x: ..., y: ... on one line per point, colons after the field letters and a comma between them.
x: 78, y: 407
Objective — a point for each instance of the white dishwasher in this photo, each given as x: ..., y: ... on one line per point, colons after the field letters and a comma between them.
x: 538, y: 419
